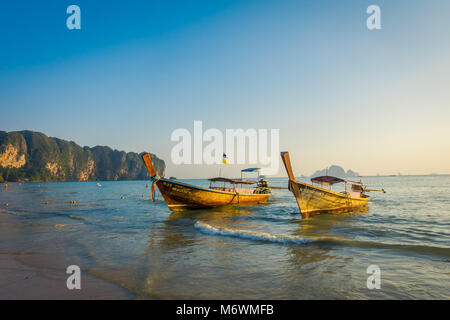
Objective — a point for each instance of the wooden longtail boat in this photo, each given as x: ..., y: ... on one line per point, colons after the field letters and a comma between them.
x: 312, y: 199
x: 179, y: 195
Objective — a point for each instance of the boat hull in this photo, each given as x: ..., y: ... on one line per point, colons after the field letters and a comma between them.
x: 315, y: 200
x: 181, y: 196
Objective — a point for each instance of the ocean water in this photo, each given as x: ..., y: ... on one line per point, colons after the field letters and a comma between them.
x: 116, y: 233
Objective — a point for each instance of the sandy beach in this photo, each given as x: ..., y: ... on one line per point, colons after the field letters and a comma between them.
x: 21, y: 282
x: 29, y: 270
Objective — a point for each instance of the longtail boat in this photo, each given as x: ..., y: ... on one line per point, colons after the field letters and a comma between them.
x: 312, y: 199
x: 179, y: 195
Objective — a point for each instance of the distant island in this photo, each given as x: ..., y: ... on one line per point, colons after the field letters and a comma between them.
x: 335, y: 171
x: 32, y: 156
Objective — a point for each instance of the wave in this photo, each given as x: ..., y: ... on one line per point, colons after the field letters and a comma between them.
x: 399, y: 247
x: 248, y: 234
x: 322, y: 241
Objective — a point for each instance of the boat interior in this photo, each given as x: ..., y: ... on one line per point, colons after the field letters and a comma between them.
x: 235, y: 189
x: 351, y: 188
x: 240, y: 186
x: 232, y: 185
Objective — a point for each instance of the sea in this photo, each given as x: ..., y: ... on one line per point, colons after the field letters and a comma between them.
x: 114, y: 232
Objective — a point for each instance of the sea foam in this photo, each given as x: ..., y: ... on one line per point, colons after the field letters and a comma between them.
x: 248, y: 234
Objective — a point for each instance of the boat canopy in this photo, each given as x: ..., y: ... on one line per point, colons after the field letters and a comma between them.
x: 326, y: 180
x: 329, y: 180
x: 250, y: 170
x: 353, y: 182
x: 232, y: 181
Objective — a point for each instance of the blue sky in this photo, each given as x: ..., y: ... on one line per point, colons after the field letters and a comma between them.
x: 373, y: 101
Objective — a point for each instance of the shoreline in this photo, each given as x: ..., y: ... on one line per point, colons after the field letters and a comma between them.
x: 28, y: 273
x: 19, y: 281
x: 2, y: 183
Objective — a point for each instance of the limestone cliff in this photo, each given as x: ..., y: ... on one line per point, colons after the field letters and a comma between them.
x: 32, y: 156
x: 335, y: 171
x: 10, y: 157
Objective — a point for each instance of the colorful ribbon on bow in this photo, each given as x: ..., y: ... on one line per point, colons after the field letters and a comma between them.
x: 155, y: 179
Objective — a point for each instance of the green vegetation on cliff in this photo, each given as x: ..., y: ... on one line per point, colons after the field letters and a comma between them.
x: 32, y: 156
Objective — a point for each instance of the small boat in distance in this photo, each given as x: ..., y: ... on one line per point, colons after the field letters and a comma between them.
x: 179, y: 195
x: 313, y: 199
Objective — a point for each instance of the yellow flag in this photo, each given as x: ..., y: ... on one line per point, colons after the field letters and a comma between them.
x: 224, y: 159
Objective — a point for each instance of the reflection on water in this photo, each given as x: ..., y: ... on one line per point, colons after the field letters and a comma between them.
x: 116, y: 233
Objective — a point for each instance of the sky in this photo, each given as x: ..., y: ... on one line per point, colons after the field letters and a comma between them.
x: 374, y: 101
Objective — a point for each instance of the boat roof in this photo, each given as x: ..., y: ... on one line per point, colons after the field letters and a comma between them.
x: 329, y: 180
x: 250, y: 170
x: 232, y: 181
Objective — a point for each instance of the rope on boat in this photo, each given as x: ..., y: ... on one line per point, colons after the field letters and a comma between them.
x: 155, y: 179
x: 236, y: 194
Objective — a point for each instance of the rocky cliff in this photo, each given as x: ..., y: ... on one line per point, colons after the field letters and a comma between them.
x: 32, y: 156
x: 335, y: 171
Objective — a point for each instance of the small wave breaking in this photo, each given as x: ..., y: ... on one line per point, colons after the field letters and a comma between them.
x: 248, y: 234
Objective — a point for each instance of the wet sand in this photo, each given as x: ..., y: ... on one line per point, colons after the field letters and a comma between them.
x: 30, y: 270
x: 21, y: 282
